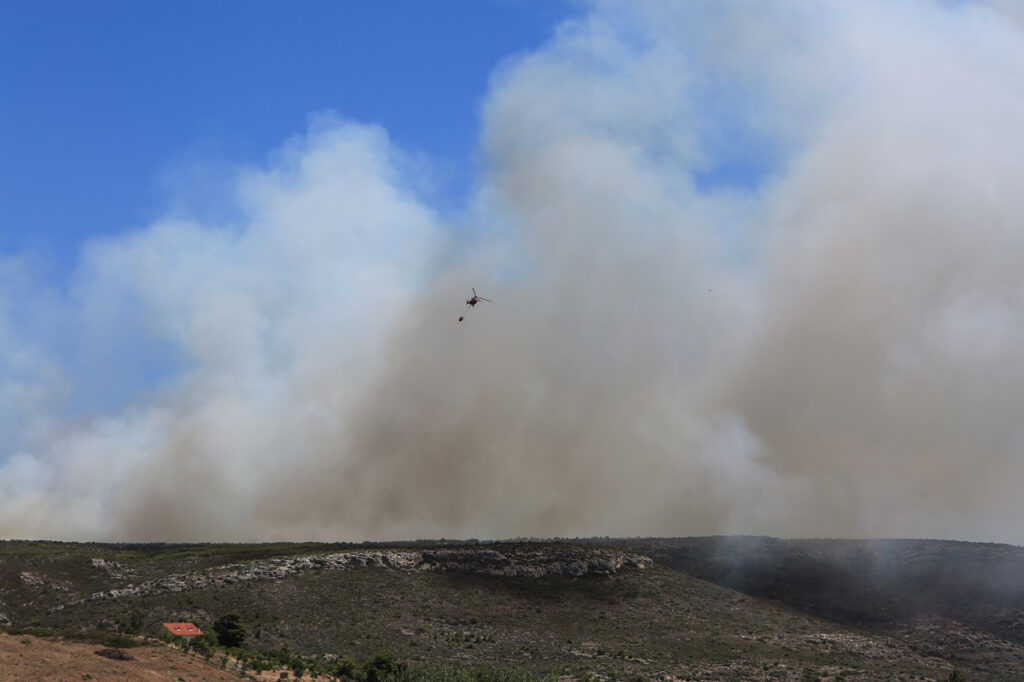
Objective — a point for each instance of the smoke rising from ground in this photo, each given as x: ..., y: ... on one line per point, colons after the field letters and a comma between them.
x: 754, y: 270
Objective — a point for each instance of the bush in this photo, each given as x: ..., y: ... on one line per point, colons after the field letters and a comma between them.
x: 104, y: 637
x: 446, y: 673
x: 346, y: 667
x: 202, y: 646
x: 114, y: 639
x: 382, y: 667
x: 132, y: 625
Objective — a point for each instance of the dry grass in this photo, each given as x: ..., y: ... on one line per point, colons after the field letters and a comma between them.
x: 32, y: 659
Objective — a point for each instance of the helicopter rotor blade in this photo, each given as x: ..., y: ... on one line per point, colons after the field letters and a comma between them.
x: 485, y: 299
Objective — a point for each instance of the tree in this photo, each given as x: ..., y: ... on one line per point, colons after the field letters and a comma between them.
x: 229, y: 629
x: 957, y: 676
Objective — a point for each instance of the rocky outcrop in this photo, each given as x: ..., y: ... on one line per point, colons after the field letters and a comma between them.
x: 113, y: 569
x: 531, y: 564
x: 39, y: 583
x: 492, y: 562
x: 31, y: 579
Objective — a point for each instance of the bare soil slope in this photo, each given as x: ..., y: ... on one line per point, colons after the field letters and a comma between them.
x: 23, y: 657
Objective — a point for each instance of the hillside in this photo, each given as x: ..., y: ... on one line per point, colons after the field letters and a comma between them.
x: 24, y: 657
x: 691, y: 608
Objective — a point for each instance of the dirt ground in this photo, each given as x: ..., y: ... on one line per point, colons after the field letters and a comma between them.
x: 33, y: 659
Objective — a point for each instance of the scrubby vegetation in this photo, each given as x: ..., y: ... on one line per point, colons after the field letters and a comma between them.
x: 706, y: 608
x: 384, y: 666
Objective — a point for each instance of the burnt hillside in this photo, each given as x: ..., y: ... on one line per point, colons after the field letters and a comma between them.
x: 866, y: 582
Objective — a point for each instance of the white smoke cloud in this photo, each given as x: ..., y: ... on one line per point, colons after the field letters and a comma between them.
x: 330, y: 247
x: 754, y: 270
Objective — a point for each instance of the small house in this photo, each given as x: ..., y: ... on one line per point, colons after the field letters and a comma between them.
x: 186, y: 630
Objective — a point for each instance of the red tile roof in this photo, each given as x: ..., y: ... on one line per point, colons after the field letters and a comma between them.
x: 183, y: 629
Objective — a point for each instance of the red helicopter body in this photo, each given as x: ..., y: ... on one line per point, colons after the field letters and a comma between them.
x: 472, y: 301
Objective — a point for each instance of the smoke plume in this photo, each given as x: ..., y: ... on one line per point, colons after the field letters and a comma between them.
x: 755, y: 269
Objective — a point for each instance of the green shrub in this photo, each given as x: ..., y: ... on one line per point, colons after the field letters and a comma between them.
x: 204, y: 645
x: 132, y: 624
x: 382, y: 667
x: 118, y: 641
x: 444, y: 673
x: 346, y: 667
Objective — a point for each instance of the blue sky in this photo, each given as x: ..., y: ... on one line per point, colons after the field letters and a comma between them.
x: 104, y: 102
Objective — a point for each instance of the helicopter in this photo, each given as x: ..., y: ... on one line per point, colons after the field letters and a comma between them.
x: 472, y: 301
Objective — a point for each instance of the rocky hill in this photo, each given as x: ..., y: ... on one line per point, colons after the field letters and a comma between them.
x: 690, y: 608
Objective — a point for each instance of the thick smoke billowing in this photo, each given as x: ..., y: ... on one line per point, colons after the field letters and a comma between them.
x: 755, y: 269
